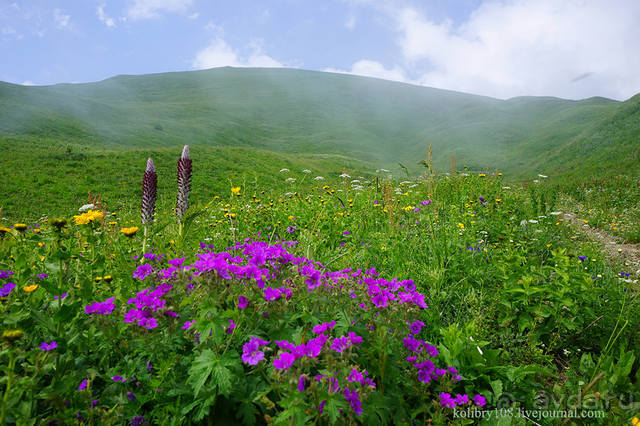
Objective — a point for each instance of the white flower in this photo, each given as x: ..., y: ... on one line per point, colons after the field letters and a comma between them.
x: 536, y: 181
x: 523, y: 222
x: 284, y: 170
x: 355, y: 181
x: 358, y: 188
x: 344, y: 175
x: 533, y: 221
x: 404, y: 182
x: 542, y: 216
x: 86, y: 207
x: 306, y: 171
x: 506, y: 187
x: 318, y: 178
x: 555, y: 213
x: 288, y: 194
x: 543, y: 176
x: 290, y: 180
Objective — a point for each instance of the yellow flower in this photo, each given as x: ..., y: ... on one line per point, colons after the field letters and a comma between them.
x: 460, y: 225
x: 88, y: 217
x: 113, y: 223
x: 236, y: 190
x: 482, y: 175
x: 97, y: 279
x: 37, y: 230
x: 19, y: 226
x: 292, y: 218
x: 498, y: 200
x: 585, y: 220
x: 499, y: 174
x: 129, y: 232
x: 30, y: 288
x: 12, y: 335
x: 107, y: 278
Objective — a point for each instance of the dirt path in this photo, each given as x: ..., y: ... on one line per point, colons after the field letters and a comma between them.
x: 615, y: 251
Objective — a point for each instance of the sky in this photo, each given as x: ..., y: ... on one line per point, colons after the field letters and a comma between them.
x: 571, y: 49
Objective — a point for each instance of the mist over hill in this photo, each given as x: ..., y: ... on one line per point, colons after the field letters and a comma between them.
x: 295, y: 111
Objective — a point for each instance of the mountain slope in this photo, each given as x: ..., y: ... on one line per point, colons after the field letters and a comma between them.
x: 297, y: 111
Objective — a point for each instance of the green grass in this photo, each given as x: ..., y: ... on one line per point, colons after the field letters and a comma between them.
x: 519, y: 304
x: 294, y: 111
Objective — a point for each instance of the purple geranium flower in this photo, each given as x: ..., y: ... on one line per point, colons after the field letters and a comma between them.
x: 119, y: 379
x: 301, y: 383
x: 101, y: 308
x: 242, y: 302
x: 48, y: 346
x: 284, y: 362
x: 83, y: 385
x: 143, y: 271
x: 6, y: 289
x: 250, y: 351
x: 340, y: 344
x: 479, y: 400
x: 416, y: 326
x: 187, y: 325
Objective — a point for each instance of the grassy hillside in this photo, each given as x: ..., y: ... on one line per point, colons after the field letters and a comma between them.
x: 297, y: 111
x: 57, y: 178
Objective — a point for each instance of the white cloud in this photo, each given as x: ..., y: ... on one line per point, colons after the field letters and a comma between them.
x: 146, y: 9
x: 219, y: 54
x: 374, y: 69
x: 28, y: 83
x: 194, y: 15
x: 104, y: 18
x: 573, y: 48
x: 62, y: 20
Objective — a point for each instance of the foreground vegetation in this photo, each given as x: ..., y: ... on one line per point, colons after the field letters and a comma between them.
x: 318, y: 299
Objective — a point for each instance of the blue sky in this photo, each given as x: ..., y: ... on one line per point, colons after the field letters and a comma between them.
x: 501, y: 48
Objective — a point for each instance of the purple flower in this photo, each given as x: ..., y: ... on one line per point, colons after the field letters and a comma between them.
x: 354, y: 338
x: 42, y: 276
x: 232, y: 325
x: 412, y: 344
x: 94, y: 403
x: 48, y: 346
x: 353, y: 398
x: 6, y: 289
x: 416, y: 326
x: 131, y: 396
x: 284, y: 362
x: 60, y: 297
x: 177, y: 262
x: 479, y: 400
x: 143, y: 271
x: 101, y: 308
x: 271, y: 294
x: 250, y: 351
x: 119, y: 379
x: 149, y: 189
x: 582, y: 257
x: 314, y: 346
x: 340, y: 344
x: 301, y: 383
x: 242, y: 302
x: 446, y: 400
x: 291, y: 229
x: 355, y: 376
x: 83, y: 385
x: 425, y: 202
x: 462, y: 399
x: 5, y: 274
x: 321, y: 407
x: 321, y: 328
x: 138, y: 421
x: 171, y: 314
x: 346, y: 233
x: 187, y: 325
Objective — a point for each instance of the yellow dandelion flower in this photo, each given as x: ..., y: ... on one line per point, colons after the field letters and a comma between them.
x: 129, y: 232
x: 12, y: 335
x: 498, y: 200
x: 460, y: 225
x: 4, y: 230
x: 30, y: 288
x: 88, y: 217
x: 19, y: 226
x: 235, y: 190
x: 499, y: 174
x: 42, y: 259
x: 482, y: 175
x: 37, y: 230
x: 585, y: 220
x: 292, y: 218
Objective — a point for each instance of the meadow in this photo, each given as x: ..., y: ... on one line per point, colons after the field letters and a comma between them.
x: 310, y: 292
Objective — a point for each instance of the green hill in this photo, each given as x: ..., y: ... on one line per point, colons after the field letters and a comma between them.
x: 295, y: 111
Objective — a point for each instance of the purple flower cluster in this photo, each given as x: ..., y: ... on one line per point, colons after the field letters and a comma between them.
x: 5, y: 274
x: 447, y: 400
x: 6, y: 289
x: 340, y: 344
x: 101, y: 308
x: 48, y: 346
x: 143, y: 271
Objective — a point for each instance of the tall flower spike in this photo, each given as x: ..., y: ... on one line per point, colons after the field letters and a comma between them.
x: 184, y: 183
x: 149, y: 187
